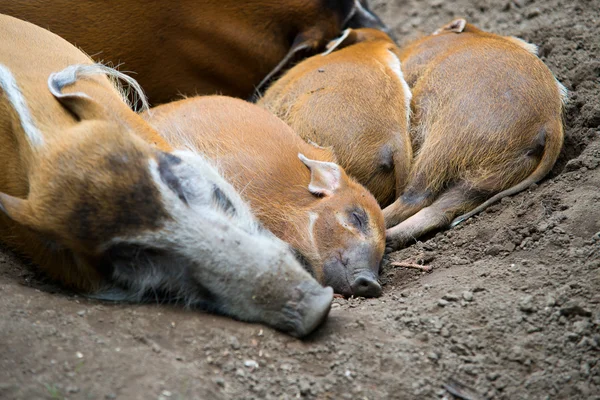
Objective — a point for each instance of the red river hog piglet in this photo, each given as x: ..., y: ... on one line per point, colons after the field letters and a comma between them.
x: 294, y: 188
x: 354, y: 99
x: 487, y: 123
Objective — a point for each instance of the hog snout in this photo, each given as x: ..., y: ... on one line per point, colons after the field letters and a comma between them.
x: 351, y: 278
x: 310, y: 309
x: 366, y: 285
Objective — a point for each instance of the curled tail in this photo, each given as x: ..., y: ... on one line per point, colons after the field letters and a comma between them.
x: 551, y: 151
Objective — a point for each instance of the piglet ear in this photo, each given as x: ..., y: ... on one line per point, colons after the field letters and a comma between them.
x: 325, y: 177
x: 348, y: 38
x: 456, y: 26
x: 15, y: 208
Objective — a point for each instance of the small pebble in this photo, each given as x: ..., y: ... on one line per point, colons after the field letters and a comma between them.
x: 467, y: 296
x: 533, y: 13
x: 72, y: 389
x: 220, y: 381
x: 526, y: 304
x: 166, y: 393
x: 443, y: 303
x: 348, y: 374
x: 450, y: 297
x: 251, y: 364
x: 234, y: 342
x: 78, y: 355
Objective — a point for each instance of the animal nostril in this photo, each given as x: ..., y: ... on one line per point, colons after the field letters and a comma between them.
x: 366, y: 287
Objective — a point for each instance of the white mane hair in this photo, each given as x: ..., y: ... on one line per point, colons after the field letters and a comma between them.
x: 68, y: 76
x: 13, y: 93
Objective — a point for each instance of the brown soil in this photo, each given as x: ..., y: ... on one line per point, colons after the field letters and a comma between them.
x: 511, y: 309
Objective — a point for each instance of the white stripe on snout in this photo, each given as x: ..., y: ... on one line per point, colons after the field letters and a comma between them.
x: 312, y: 218
x: 15, y: 97
x: 530, y: 47
x: 342, y: 221
x: 396, y: 67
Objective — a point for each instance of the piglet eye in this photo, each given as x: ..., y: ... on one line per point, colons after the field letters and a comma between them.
x: 357, y: 220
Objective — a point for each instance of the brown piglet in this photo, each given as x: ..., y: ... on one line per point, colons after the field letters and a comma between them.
x: 353, y: 98
x: 294, y: 188
x: 487, y: 123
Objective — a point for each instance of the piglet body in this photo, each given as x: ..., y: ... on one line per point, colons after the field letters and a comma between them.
x: 294, y: 188
x: 486, y: 124
x: 355, y: 100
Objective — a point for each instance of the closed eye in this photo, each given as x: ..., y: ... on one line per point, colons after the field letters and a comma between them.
x: 357, y: 220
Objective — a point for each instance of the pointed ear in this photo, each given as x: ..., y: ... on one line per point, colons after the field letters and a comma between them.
x: 304, y: 44
x: 15, y: 208
x: 456, y: 26
x: 348, y: 38
x: 80, y: 104
x: 353, y: 36
x: 325, y: 177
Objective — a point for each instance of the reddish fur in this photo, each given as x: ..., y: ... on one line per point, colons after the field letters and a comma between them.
x: 480, y: 102
x: 55, y: 177
x: 187, y: 46
x: 258, y: 154
x: 352, y: 101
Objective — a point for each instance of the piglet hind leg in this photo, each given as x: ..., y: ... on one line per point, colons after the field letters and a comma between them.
x: 414, y: 199
x: 439, y: 214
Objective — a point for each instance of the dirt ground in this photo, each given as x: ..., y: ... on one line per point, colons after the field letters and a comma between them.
x: 511, y: 309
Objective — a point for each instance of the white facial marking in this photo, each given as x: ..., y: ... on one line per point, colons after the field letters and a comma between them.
x: 15, y: 97
x: 312, y: 219
x: 343, y: 222
x: 396, y: 67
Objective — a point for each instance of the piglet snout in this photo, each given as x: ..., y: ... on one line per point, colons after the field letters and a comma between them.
x: 366, y: 285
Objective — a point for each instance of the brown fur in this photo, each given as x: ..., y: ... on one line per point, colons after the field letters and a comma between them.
x: 352, y: 101
x: 487, y: 119
x: 68, y: 196
x: 189, y: 46
x: 258, y: 154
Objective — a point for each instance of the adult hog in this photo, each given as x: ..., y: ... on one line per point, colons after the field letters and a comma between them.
x: 487, y: 123
x: 91, y: 194
x: 294, y: 188
x: 190, y: 46
x: 355, y: 100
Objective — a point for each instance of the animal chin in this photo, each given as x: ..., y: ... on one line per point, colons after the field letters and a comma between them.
x: 336, y: 275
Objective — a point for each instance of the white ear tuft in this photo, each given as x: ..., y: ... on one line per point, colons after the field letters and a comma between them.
x: 530, y: 47
x: 456, y: 26
x: 562, y: 90
x: 68, y: 76
x: 325, y: 177
x: 331, y: 46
